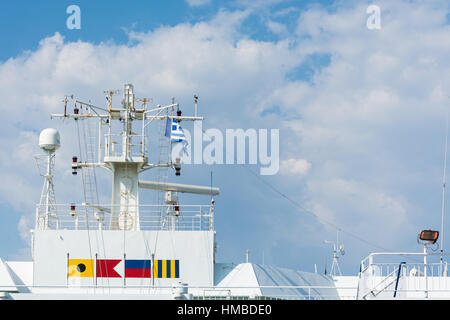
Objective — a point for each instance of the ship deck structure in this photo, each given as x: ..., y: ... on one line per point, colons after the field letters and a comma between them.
x: 129, y: 250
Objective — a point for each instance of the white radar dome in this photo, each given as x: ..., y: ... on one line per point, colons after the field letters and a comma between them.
x: 49, y: 139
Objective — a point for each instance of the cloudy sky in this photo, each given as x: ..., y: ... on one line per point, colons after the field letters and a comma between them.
x: 361, y: 113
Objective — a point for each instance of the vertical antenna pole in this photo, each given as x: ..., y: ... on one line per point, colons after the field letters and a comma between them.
x: 48, y: 177
x: 143, y: 128
x: 196, y: 104
x: 100, y: 136
x: 337, y: 238
x: 170, y: 142
x: 443, y: 190
x: 65, y: 106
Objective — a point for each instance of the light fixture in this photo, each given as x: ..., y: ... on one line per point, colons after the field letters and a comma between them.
x: 429, y: 235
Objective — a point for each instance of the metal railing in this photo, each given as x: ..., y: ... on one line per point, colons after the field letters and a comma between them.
x: 142, y: 217
x: 195, y: 292
x: 397, y: 279
x: 114, y: 145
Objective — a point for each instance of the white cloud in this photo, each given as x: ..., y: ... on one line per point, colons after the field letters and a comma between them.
x: 369, y: 121
x: 276, y: 27
x: 196, y: 3
x: 295, y: 166
x: 372, y: 122
x: 363, y: 212
x: 209, y: 58
x: 363, y: 205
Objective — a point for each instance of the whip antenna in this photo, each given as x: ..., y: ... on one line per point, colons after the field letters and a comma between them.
x: 443, y: 188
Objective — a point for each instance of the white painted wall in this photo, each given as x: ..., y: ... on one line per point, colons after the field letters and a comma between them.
x: 194, y: 250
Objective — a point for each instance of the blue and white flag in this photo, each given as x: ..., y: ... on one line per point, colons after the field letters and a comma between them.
x: 175, y: 132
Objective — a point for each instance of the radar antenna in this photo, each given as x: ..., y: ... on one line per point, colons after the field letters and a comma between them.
x: 337, y: 250
x: 49, y: 142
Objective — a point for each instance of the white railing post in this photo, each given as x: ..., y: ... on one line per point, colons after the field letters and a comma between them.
x: 425, y: 269
x: 67, y: 271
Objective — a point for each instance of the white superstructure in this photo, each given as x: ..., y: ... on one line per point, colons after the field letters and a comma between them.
x: 129, y: 250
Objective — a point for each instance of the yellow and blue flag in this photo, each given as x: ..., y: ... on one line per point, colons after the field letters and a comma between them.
x: 166, y: 269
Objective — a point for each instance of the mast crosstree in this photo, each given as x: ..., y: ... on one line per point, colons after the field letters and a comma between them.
x: 125, y: 153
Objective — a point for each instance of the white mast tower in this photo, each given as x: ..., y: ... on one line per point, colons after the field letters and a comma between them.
x: 49, y: 142
x: 125, y: 153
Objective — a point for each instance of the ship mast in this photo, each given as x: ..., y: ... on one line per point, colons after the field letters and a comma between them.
x: 49, y: 142
x: 125, y: 153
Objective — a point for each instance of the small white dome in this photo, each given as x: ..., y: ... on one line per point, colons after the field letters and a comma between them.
x: 49, y: 139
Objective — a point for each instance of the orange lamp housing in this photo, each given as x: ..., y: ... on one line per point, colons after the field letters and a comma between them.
x: 429, y: 235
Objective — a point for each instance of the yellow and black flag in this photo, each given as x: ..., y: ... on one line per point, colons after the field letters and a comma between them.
x: 81, y: 268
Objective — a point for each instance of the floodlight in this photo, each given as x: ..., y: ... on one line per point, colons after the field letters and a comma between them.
x: 429, y: 235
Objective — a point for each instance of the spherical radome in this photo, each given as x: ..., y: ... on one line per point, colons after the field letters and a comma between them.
x: 49, y: 139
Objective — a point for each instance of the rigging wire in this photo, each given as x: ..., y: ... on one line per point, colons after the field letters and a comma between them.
x: 298, y: 206
x: 325, y: 221
x: 92, y: 179
x: 303, y: 209
x: 84, y: 194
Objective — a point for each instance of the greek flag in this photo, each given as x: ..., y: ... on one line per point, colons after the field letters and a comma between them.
x: 175, y: 132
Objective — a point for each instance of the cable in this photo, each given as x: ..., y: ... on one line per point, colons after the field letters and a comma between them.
x: 298, y: 206
x: 84, y: 193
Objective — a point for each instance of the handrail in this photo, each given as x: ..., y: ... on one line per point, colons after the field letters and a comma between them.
x: 380, y: 283
x: 422, y: 275
x: 367, y: 261
x: 146, y: 217
x: 209, y: 292
x: 398, y: 277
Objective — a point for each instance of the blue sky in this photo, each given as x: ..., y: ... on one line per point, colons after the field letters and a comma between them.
x: 24, y: 23
x: 360, y: 112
